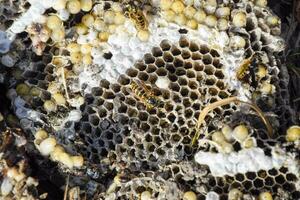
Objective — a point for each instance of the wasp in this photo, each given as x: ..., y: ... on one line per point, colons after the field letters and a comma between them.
x: 145, y: 95
x: 248, y: 64
x: 137, y: 16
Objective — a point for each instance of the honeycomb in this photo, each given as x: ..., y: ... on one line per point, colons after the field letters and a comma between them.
x: 194, y: 77
x: 116, y: 132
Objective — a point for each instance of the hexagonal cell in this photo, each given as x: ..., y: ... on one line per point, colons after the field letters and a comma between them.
x: 149, y: 58
x: 213, y: 91
x: 143, y: 76
x: 204, y: 49
x: 210, y: 81
x: 115, y: 87
x: 207, y: 59
x: 176, y: 138
x: 123, y: 80
x: 188, y: 113
x: 175, y: 51
x: 184, y: 91
x: 132, y: 112
x: 180, y: 71
x: 193, y: 85
x: 219, y: 74
x: 197, y: 56
x: 187, y: 64
x: 140, y: 66
x: 151, y: 68
x: 160, y: 62
x: 157, y: 52
x: 161, y: 72
x: 194, y: 95
x: 280, y: 179
x: 168, y: 57
x: 190, y: 74
x: 272, y: 172
x: 94, y: 120
x: 171, y: 68
x: 198, y: 66
x: 258, y: 183
x: 108, y: 95
x: 145, y: 126
x: 165, y: 45
x: 247, y: 185
x: 182, y: 81
x: 194, y: 46
x: 131, y: 72
x: 240, y: 177
x: 185, y: 54
x: 143, y: 116
x: 178, y: 62
x: 171, y: 117
x: 174, y: 86
x: 184, y: 42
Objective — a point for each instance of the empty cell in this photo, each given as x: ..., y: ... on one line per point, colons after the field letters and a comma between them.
x: 207, y: 59
x: 178, y: 62
x: 219, y: 74
x: 140, y: 66
x: 42, y: 84
x: 280, y: 179
x: 291, y: 177
x: 185, y: 54
x: 184, y: 91
x: 194, y: 46
x: 172, y: 77
x: 109, y: 106
x: 102, y: 112
x: 214, y: 53
x: 168, y: 57
x: 165, y: 94
x: 153, y: 120
x: 123, y: 80
x: 155, y: 130
x: 258, y: 183
x: 188, y: 113
x: 194, y: 95
x: 156, y: 51
x: 186, y: 102
x: 204, y: 49
x: 216, y: 63
x: 175, y: 51
x: 148, y: 138
x: 272, y: 172
x: 193, y: 85
x: 180, y: 71
x: 116, y: 87
x: 209, y: 69
x: 97, y: 91
x: 175, y: 137
x: 213, y: 91
x: 160, y: 151
x: 161, y: 72
x: 130, y: 101
x: 182, y: 81
x: 150, y: 147
x: 145, y: 127
x: 170, y: 68
x: 86, y: 127
x: 176, y: 98
x: 198, y: 66
x: 262, y: 173
x: 174, y: 86
x: 190, y: 74
x: 197, y: 56
x: 152, y: 78
x: 171, y: 117
x: 94, y: 120
x: 108, y: 95
x: 105, y: 124
x: 104, y: 83
x: 187, y: 64
x: 165, y: 45
x: 210, y: 81
x: 108, y: 135
x: 143, y: 76
x: 143, y: 116
x: 160, y: 63
x: 220, y: 85
x: 131, y: 72
x: 247, y: 185
x: 251, y: 175
x: 122, y: 108
x: 269, y: 181
x: 184, y: 42
x: 157, y: 140
x: 149, y: 58
x: 132, y: 112
x: 151, y: 68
